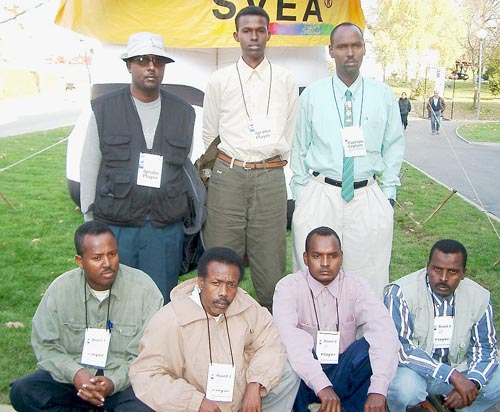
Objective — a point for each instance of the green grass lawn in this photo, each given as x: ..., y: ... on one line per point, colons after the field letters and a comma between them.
x: 36, y: 239
x: 481, y: 132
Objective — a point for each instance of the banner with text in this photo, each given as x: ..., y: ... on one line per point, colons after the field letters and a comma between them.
x: 206, y: 23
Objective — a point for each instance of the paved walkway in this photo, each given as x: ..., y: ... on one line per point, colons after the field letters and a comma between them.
x: 470, y: 168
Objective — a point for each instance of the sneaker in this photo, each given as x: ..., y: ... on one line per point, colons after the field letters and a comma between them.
x: 437, y: 132
x: 433, y: 132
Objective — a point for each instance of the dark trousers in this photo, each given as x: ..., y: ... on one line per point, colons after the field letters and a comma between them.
x: 350, y: 380
x: 404, y: 120
x: 154, y: 250
x: 40, y: 392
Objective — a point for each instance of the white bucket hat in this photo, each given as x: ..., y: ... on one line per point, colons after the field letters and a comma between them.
x: 142, y: 43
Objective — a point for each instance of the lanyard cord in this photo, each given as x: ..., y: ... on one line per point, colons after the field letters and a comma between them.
x: 209, y: 340
x: 269, y: 93
x: 316, y: 313
x: 362, y: 102
x: 109, y: 324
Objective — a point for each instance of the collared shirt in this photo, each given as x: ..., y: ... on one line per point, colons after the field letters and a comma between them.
x: 58, y: 327
x: 318, y: 146
x: 481, y: 354
x: 358, y: 308
x: 225, y: 114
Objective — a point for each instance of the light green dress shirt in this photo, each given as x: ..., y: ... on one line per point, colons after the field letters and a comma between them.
x: 58, y: 327
x: 318, y: 147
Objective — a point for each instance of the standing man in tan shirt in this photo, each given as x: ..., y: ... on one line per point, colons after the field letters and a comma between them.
x: 252, y: 106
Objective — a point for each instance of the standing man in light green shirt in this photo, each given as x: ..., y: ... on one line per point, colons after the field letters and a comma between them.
x: 86, y: 331
x: 348, y: 126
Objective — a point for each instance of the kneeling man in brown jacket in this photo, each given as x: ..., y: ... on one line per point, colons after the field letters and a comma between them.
x: 213, y: 348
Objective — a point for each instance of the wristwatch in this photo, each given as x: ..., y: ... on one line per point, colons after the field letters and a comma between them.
x: 476, y: 384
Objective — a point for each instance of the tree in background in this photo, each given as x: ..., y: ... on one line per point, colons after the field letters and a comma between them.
x: 410, y: 29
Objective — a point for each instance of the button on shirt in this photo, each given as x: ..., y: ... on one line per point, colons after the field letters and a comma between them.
x: 224, y: 111
x: 318, y: 145
x: 294, y: 316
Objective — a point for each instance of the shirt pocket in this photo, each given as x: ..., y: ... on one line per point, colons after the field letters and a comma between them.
x: 72, y: 337
x: 373, y: 133
x: 121, y: 336
x: 116, y: 148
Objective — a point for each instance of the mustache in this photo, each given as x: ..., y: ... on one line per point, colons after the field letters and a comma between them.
x: 442, y: 284
x: 221, y: 300
x: 108, y: 269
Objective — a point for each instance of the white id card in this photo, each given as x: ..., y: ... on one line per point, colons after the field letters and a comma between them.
x: 95, y: 347
x: 328, y: 347
x: 260, y: 131
x: 443, y: 331
x: 149, y: 172
x: 353, y: 141
x: 220, y: 382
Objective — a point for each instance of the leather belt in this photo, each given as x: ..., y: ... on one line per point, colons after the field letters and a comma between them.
x: 333, y: 182
x: 270, y: 163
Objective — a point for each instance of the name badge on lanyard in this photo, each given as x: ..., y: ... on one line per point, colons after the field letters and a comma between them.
x: 220, y: 382
x: 443, y: 331
x: 353, y: 141
x: 328, y: 347
x: 149, y: 170
x: 95, y: 347
x: 260, y: 130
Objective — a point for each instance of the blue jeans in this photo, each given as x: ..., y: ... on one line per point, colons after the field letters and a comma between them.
x: 39, y: 392
x: 350, y: 380
x: 435, y: 120
x: 154, y: 250
x: 399, y: 396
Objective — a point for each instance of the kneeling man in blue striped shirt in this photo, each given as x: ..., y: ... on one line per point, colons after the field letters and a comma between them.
x: 448, y: 340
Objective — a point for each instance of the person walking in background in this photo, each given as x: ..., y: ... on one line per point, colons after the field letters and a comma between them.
x: 345, y: 159
x: 435, y: 107
x: 132, y: 175
x: 404, y: 109
x: 252, y: 107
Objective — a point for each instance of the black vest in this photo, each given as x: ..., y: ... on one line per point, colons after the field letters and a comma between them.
x: 119, y: 200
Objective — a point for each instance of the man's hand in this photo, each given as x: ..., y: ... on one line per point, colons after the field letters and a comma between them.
x: 87, y: 390
x: 464, y: 394
x: 330, y: 402
x: 208, y: 406
x: 375, y: 403
x: 252, y: 402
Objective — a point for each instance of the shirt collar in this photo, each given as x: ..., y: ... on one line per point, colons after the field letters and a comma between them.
x: 262, y: 70
x: 340, y: 85
x: 317, y: 287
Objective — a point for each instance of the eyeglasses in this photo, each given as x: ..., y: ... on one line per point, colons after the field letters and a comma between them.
x: 144, y: 61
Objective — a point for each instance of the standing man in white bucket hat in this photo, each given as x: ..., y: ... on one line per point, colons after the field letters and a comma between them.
x: 131, y: 169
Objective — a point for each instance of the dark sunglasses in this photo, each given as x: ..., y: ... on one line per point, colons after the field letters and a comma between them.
x: 144, y: 61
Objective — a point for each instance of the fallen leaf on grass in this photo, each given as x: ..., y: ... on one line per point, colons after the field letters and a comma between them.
x: 15, y: 325
x: 36, y: 241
